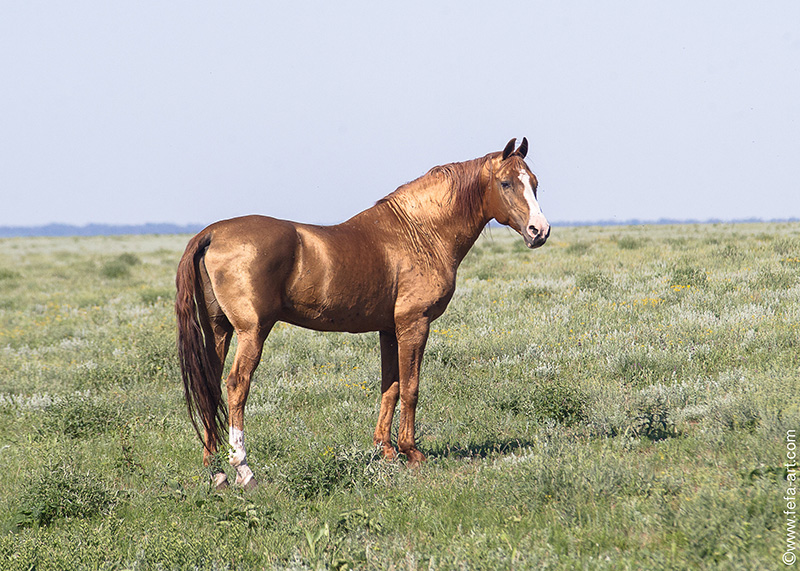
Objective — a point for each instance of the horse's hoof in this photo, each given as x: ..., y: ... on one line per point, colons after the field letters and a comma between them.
x: 389, y: 453
x: 415, y: 458
x: 248, y: 483
x: 245, y: 478
x: 220, y: 481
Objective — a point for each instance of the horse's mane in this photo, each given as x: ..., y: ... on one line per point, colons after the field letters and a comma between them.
x: 463, y: 179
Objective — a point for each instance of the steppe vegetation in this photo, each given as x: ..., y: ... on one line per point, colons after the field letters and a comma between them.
x: 619, y: 399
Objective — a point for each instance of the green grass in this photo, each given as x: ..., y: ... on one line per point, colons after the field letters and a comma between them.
x: 619, y: 399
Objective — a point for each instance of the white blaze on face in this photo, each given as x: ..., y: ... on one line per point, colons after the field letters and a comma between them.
x: 536, y: 217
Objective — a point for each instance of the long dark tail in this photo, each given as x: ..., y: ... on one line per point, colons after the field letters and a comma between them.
x: 200, y: 367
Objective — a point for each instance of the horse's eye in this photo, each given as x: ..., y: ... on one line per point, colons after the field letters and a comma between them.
x: 505, y: 184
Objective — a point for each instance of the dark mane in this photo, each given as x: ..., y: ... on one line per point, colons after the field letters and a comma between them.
x: 464, y: 180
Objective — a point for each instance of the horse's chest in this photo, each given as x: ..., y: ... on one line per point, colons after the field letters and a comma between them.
x: 425, y: 293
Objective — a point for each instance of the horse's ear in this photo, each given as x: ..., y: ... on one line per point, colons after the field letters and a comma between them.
x: 509, y: 150
x: 523, y: 148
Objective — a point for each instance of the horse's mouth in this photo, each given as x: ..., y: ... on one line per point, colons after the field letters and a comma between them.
x: 537, y: 241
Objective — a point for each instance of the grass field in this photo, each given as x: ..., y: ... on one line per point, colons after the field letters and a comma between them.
x: 619, y: 399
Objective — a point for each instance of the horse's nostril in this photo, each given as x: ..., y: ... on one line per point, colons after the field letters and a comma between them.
x: 533, y: 230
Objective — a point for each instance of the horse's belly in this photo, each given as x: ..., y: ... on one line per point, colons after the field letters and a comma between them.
x: 352, y: 319
x: 339, y: 282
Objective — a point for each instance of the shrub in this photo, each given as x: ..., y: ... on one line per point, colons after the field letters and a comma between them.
x: 153, y: 296
x: 78, y: 416
x: 731, y: 252
x: 785, y: 246
x: 578, y: 248
x: 115, y: 269
x: 638, y: 369
x: 593, y: 281
x: 319, y: 473
x: 630, y: 243
x: 651, y: 419
x: 488, y: 269
x: 120, y: 267
x: 533, y: 292
x: 62, y: 492
x: 735, y: 413
x: 154, y: 354
x: 545, y: 399
x: 768, y: 279
x: 129, y: 259
x: 237, y: 510
x: 688, y: 276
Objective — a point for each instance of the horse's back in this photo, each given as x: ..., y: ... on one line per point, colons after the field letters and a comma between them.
x: 334, y: 278
x: 343, y: 280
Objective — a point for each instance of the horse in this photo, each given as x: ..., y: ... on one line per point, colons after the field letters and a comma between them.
x: 391, y: 269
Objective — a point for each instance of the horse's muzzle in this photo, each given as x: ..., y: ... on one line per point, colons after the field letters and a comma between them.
x: 535, y: 237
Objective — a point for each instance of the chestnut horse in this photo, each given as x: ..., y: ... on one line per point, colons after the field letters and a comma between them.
x: 391, y: 269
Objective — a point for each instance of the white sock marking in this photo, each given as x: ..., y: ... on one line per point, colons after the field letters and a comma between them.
x: 238, y: 457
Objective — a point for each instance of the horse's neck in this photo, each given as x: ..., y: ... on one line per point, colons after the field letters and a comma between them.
x: 430, y: 218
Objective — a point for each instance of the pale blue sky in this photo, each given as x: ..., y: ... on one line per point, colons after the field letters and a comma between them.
x: 189, y: 112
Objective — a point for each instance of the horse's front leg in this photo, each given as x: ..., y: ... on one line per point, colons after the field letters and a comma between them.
x: 411, y: 339
x: 390, y: 391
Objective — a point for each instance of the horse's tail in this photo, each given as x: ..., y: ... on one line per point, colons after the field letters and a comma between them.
x: 200, y: 367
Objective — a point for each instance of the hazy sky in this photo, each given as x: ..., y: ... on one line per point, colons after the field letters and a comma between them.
x: 189, y: 112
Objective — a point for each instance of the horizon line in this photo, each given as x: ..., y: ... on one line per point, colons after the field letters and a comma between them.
x: 57, y: 229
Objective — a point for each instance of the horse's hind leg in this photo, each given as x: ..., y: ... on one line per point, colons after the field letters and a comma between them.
x: 222, y: 332
x: 248, y: 355
x: 215, y: 326
x: 390, y: 391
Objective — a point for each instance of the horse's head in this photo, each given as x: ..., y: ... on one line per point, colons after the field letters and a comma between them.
x: 511, y: 195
